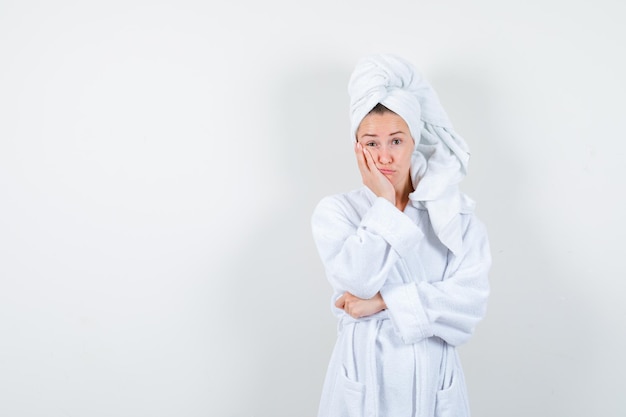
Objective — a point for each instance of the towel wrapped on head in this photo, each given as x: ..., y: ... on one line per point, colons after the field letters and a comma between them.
x: 440, y: 158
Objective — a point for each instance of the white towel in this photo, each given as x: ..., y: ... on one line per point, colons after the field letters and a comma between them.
x: 441, y: 156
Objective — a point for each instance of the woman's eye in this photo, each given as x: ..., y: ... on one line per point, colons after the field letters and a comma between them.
x: 370, y: 144
x: 396, y: 141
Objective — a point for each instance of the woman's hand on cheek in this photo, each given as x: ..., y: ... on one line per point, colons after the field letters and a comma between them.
x: 372, y: 177
x: 358, y: 307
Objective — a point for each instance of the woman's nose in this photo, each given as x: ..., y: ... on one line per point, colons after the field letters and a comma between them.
x: 384, y: 157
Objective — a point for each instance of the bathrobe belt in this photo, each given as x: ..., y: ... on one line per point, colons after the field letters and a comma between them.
x: 423, y: 406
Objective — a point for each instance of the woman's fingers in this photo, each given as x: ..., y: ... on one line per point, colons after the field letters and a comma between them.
x: 341, y: 301
x: 360, y: 159
x: 372, y: 177
x: 369, y: 160
x: 358, y: 307
x: 366, y: 159
x: 366, y: 163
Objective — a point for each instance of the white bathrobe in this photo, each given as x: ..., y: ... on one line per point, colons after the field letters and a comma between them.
x: 400, y: 362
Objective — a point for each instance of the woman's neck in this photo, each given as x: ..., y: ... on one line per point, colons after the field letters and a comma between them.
x: 402, y: 195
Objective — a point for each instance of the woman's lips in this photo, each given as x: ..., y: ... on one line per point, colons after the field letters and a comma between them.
x: 386, y: 171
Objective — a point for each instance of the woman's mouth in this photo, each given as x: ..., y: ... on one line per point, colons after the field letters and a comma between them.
x: 386, y: 171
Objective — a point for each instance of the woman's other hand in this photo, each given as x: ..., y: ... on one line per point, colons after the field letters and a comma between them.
x: 372, y: 177
x: 359, y: 307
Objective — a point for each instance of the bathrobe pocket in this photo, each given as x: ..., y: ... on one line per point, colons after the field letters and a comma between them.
x: 451, y: 400
x: 348, y: 398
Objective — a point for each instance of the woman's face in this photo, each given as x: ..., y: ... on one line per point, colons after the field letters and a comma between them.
x: 388, y: 139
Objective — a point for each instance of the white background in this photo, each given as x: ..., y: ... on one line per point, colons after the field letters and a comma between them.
x: 160, y: 160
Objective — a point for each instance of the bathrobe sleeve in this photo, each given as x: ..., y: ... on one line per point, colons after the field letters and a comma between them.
x: 358, y: 252
x: 450, y: 308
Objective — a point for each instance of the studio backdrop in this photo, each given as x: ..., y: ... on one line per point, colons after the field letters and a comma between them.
x: 160, y: 161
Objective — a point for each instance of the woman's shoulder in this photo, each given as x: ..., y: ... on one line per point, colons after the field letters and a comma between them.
x: 354, y: 201
x: 359, y: 196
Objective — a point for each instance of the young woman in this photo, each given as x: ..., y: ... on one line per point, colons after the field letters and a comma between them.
x: 405, y: 255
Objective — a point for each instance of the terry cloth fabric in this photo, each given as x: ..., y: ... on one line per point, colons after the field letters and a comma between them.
x: 440, y: 158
